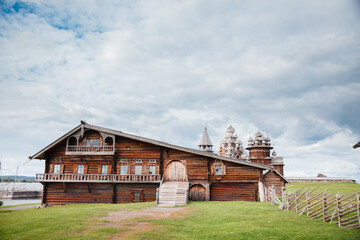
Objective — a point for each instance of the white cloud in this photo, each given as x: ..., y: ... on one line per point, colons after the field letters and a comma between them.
x: 163, y: 69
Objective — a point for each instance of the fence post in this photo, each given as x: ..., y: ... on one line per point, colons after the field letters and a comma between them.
x: 324, y: 206
x: 272, y: 195
x: 307, y: 203
x: 284, y: 198
x: 338, y: 207
x: 296, y: 202
x: 358, y: 207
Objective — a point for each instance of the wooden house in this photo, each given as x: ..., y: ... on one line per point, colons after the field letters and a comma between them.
x: 92, y: 164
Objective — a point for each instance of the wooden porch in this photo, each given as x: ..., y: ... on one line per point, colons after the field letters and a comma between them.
x: 98, y: 178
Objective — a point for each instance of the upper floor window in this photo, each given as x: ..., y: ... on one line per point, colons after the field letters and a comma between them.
x: 92, y: 142
x: 123, y: 169
x: 80, y: 169
x: 152, y: 170
x: 57, y: 168
x: 138, y: 170
x: 104, y: 169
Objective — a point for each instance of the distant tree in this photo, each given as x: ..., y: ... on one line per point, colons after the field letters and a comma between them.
x: 321, y: 175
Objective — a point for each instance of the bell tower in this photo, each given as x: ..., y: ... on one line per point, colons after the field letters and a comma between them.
x: 205, y: 143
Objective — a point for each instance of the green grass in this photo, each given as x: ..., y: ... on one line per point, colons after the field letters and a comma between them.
x: 342, y: 188
x: 61, y: 222
x: 244, y: 220
x: 204, y: 220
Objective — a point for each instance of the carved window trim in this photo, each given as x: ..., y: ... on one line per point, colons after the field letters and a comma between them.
x: 124, y: 161
x: 218, y: 164
x: 138, y: 161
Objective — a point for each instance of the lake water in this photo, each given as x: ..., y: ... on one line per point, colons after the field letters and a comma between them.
x: 19, y: 186
x: 9, y: 202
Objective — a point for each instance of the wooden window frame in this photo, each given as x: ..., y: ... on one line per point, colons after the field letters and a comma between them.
x: 137, y: 166
x: 108, y: 168
x: 152, y: 166
x: 218, y: 164
x: 127, y: 169
x: 141, y: 195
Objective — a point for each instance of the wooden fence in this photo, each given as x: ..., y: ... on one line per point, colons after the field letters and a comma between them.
x: 334, y: 208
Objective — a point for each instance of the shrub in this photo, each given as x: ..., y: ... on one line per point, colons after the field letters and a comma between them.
x: 1, y: 203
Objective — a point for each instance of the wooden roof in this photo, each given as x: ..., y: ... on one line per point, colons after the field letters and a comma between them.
x: 276, y: 172
x: 40, y: 154
x: 356, y: 145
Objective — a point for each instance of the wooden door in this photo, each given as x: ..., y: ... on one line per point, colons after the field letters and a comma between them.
x: 197, y: 193
x: 175, y: 171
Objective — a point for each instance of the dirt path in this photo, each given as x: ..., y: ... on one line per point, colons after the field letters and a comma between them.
x: 129, y: 219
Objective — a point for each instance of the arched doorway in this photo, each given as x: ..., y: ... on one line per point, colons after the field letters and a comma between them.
x: 175, y: 171
x: 197, y: 192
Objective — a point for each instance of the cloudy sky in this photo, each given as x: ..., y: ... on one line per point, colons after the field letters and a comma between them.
x: 164, y: 69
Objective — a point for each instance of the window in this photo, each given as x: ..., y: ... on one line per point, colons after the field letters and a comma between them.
x: 96, y: 142
x: 104, y: 169
x: 123, y: 169
x: 57, y: 168
x: 137, y: 196
x: 218, y: 170
x: 138, y: 170
x: 80, y: 169
x: 152, y: 170
x: 92, y: 142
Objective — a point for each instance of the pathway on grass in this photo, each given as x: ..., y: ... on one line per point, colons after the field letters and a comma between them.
x: 129, y: 219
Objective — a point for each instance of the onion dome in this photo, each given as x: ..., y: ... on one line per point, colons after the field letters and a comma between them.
x: 230, y: 129
x: 259, y: 134
x: 274, y: 153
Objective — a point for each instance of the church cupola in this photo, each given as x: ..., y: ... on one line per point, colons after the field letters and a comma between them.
x: 231, y: 147
x: 259, y: 149
x: 205, y: 143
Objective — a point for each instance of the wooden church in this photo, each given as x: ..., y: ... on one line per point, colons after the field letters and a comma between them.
x: 92, y: 164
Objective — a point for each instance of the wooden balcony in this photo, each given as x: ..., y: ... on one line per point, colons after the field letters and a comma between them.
x: 97, y: 178
x: 89, y: 150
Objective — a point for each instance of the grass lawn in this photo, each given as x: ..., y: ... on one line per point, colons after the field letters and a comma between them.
x: 244, y: 220
x: 204, y: 220
x: 62, y: 222
x: 342, y: 188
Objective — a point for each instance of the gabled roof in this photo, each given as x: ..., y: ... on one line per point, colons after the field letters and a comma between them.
x: 40, y: 154
x: 276, y: 172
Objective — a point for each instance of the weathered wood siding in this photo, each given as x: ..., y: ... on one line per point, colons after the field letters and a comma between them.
x: 237, y: 173
x: 196, y: 166
x: 124, y: 192
x: 59, y: 193
x: 273, y: 179
x: 234, y: 192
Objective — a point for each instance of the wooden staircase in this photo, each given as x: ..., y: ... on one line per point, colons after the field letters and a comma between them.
x: 173, y: 194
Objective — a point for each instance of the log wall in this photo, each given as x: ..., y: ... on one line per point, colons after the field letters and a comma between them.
x: 234, y: 192
x: 273, y: 179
